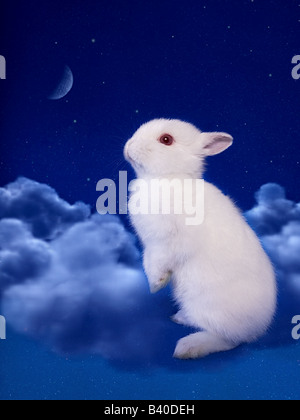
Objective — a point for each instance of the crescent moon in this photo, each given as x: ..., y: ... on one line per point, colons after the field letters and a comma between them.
x: 64, y: 86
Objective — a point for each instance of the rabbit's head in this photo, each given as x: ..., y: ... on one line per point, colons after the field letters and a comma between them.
x: 165, y: 148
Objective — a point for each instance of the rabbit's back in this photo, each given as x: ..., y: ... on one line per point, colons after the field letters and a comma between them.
x: 226, y: 282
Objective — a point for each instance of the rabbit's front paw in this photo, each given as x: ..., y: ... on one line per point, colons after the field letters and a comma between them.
x: 163, y: 282
x: 180, y: 318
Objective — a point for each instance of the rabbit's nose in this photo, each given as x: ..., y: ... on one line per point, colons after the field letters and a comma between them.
x: 126, y: 149
x: 129, y: 143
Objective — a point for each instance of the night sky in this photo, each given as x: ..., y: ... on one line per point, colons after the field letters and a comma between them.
x: 220, y: 64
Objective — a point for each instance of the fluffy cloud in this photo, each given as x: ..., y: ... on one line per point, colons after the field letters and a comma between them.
x: 277, y: 221
x: 74, y: 280
x: 40, y: 208
x: 21, y: 255
x: 82, y: 290
x: 273, y: 211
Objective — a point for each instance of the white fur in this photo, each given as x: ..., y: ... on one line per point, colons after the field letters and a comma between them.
x: 223, y: 281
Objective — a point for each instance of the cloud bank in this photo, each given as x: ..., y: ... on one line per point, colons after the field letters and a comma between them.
x: 74, y: 280
x: 277, y: 221
x: 39, y: 206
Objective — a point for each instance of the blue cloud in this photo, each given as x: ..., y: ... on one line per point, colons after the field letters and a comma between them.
x: 273, y: 210
x: 82, y: 291
x: 277, y: 221
x: 39, y: 206
x: 74, y: 280
x: 21, y: 255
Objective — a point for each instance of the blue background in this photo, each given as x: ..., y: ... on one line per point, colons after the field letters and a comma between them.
x: 220, y: 64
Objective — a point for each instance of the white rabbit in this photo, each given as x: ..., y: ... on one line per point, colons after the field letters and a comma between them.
x: 223, y: 281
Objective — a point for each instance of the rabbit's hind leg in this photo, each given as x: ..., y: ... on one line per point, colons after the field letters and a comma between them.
x: 200, y: 345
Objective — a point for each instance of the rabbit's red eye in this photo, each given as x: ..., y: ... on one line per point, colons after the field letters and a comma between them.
x: 166, y: 139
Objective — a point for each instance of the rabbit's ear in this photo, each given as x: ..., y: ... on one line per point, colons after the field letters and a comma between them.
x: 215, y: 143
